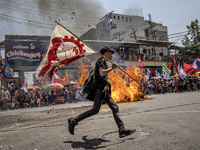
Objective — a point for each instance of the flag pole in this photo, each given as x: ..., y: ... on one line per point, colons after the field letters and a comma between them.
x: 99, y: 53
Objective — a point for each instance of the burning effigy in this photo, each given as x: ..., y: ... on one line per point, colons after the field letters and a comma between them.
x: 123, y: 88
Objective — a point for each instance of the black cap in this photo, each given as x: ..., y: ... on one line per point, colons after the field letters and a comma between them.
x: 106, y: 49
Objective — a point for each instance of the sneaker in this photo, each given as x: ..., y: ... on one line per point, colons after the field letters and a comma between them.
x: 125, y: 132
x: 71, y: 125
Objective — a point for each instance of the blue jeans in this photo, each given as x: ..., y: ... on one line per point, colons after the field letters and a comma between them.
x: 5, y: 103
x: 97, y: 105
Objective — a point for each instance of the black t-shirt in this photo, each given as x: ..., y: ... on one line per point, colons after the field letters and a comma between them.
x: 102, y: 81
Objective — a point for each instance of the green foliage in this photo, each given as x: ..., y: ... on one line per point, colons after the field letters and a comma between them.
x: 191, y: 41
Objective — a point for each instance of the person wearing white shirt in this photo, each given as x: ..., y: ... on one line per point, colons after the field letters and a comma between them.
x: 5, y: 96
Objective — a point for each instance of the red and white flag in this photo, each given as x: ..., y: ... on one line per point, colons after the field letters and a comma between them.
x: 141, y: 64
x: 64, y: 48
x: 174, y: 63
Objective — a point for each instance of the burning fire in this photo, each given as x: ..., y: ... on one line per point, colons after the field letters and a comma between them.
x: 84, y: 73
x: 123, y: 88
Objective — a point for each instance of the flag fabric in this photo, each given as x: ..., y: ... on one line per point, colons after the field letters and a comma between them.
x: 166, y: 70
x: 179, y: 68
x: 57, y: 79
x: 169, y: 66
x: 188, y: 68
x: 182, y: 74
x: 196, y: 64
x: 165, y: 76
x: 174, y: 63
x: 64, y: 48
x: 140, y: 61
x: 7, y: 71
x: 173, y: 60
x: 151, y: 71
x: 25, y: 85
x: 148, y: 74
x: 158, y: 73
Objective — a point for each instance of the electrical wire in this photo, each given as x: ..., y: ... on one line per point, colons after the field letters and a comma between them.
x: 54, y: 15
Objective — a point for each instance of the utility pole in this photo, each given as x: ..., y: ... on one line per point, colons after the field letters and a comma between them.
x: 133, y: 32
x: 150, y: 28
x: 119, y: 35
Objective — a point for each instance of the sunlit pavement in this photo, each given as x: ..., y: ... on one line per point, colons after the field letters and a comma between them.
x: 164, y: 121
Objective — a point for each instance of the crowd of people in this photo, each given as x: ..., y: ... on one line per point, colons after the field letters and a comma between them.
x: 36, y: 98
x: 173, y: 85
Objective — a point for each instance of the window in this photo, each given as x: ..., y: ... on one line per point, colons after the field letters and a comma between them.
x: 130, y: 20
x: 118, y: 18
x: 126, y: 19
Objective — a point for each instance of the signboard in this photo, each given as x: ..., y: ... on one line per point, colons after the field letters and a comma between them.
x: 25, y: 50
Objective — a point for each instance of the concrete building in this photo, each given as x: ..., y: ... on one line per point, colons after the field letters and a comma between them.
x: 131, y: 36
x: 118, y: 27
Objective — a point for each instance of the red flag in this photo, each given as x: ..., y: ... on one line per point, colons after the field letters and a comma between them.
x: 151, y: 71
x: 173, y: 60
x: 64, y: 48
x: 141, y: 64
x: 188, y: 68
x: 169, y: 66
x: 174, y: 63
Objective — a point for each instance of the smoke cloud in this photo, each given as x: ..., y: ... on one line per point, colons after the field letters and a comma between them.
x: 133, y: 9
x: 38, y: 17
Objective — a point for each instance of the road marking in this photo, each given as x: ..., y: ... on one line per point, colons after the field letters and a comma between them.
x: 170, y: 112
x: 46, y: 122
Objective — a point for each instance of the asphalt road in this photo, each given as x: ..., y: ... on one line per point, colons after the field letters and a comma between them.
x: 162, y: 122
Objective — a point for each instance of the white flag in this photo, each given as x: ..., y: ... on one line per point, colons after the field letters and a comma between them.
x: 64, y: 48
x: 25, y: 85
x: 183, y: 74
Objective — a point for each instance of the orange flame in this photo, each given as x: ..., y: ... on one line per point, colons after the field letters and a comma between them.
x: 123, y: 89
x: 84, y: 73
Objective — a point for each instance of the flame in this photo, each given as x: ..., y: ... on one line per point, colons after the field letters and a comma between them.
x: 123, y: 88
x: 84, y: 73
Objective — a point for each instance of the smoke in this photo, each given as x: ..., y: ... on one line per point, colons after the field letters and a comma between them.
x: 38, y: 17
x: 77, y: 15
x: 133, y: 9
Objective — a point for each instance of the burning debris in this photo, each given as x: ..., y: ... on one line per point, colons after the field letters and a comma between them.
x: 123, y: 89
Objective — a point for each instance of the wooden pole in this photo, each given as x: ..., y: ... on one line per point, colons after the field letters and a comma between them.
x: 99, y: 53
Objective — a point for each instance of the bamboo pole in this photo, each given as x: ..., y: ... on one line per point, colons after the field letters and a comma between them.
x: 99, y: 53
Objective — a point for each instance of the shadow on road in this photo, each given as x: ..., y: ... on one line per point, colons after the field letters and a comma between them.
x: 88, y: 143
x: 97, y: 142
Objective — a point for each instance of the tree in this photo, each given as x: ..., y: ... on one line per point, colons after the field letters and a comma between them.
x: 191, y: 41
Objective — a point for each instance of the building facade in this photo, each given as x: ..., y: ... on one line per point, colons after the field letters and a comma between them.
x: 131, y: 36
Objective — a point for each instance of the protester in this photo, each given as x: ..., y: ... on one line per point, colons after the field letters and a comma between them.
x: 101, y: 93
x: 180, y: 85
x: 6, y: 96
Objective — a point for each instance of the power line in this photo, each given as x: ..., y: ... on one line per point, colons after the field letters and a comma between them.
x: 177, y: 33
x: 56, y: 18
x: 54, y: 15
x: 43, y: 8
x: 36, y: 22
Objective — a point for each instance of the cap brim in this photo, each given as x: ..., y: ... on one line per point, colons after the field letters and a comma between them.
x: 112, y: 51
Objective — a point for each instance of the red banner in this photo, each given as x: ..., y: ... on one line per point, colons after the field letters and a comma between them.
x: 188, y: 68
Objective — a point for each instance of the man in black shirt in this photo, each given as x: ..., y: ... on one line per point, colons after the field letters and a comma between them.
x: 101, y: 93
